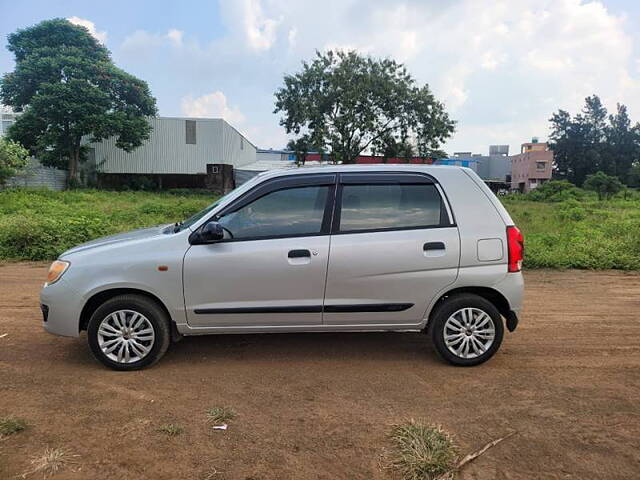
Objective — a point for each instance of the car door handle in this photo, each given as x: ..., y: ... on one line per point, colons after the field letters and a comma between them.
x: 433, y: 246
x: 299, y: 253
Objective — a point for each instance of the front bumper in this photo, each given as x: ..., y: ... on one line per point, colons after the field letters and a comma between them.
x: 61, y: 306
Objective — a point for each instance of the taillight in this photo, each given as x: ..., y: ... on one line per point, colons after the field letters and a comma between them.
x: 515, y: 243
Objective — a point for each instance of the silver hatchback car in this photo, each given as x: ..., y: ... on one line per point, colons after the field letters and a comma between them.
x: 342, y: 248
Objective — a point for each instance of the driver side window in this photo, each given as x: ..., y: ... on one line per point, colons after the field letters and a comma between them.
x: 287, y: 212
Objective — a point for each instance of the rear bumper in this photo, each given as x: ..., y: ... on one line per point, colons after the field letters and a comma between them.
x: 512, y: 321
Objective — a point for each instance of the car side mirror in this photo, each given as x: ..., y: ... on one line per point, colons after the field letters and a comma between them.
x: 210, y: 232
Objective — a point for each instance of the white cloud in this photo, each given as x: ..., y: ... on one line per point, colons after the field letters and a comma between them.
x: 502, y: 67
x: 175, y: 36
x: 260, y: 31
x: 291, y: 37
x: 141, y: 39
x: 89, y: 25
x: 212, y: 105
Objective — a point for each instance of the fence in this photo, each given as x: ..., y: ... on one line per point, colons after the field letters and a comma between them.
x: 36, y: 175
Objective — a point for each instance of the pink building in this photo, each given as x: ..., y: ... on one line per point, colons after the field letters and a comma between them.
x: 531, y: 167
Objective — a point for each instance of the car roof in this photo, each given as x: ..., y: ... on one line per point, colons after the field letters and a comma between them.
x: 378, y: 167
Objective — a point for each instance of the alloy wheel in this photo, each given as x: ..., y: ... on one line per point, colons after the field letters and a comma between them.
x: 125, y: 336
x: 469, y: 332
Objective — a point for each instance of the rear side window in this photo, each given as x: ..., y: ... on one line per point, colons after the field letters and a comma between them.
x: 287, y: 212
x: 398, y: 206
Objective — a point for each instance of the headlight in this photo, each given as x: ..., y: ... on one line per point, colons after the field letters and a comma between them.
x: 56, y: 270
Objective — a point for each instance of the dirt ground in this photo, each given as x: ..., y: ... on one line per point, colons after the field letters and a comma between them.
x: 321, y: 405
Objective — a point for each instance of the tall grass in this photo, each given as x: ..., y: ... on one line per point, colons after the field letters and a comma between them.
x: 570, y: 230
x: 584, y: 233
x: 41, y: 224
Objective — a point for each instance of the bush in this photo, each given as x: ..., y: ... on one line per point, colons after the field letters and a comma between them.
x: 555, y: 191
x: 604, y: 185
x: 13, y: 158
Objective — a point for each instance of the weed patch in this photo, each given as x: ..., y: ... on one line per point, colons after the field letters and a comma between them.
x: 11, y: 425
x: 220, y: 415
x: 171, y: 429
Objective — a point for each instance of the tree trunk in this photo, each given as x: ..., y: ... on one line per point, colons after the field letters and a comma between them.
x: 74, y: 157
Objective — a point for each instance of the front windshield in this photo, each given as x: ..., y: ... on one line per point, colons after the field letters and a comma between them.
x: 194, y: 218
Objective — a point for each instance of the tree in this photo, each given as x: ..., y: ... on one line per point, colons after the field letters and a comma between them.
x: 348, y: 103
x: 593, y: 141
x: 300, y: 148
x: 623, y: 144
x: 68, y: 88
x: 13, y: 158
x: 390, y: 147
x: 604, y: 185
x: 634, y: 176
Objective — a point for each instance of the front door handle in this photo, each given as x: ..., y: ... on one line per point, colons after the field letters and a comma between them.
x: 299, y: 253
x: 433, y: 246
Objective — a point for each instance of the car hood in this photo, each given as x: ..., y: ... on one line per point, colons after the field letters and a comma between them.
x: 140, y: 234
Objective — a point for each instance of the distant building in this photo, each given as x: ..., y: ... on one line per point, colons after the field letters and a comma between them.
x: 498, y: 150
x: 6, y: 122
x: 181, y: 152
x: 495, y: 167
x: 275, y: 155
x: 531, y: 167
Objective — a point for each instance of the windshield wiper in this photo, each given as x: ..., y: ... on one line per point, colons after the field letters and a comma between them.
x: 176, y: 227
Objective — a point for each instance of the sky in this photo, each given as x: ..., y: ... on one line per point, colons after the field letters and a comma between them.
x: 501, y: 67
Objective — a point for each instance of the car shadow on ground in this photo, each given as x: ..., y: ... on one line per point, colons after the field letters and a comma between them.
x: 284, y: 347
x: 291, y: 347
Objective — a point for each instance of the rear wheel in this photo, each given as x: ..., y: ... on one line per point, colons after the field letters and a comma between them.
x: 466, y: 329
x: 129, y: 332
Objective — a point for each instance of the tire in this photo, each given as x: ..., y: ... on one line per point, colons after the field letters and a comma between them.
x: 477, y: 332
x: 141, y: 342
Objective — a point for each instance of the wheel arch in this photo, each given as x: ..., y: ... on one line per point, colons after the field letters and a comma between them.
x: 490, y: 294
x: 99, y: 298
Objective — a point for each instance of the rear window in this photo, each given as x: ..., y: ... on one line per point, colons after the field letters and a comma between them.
x: 379, y: 206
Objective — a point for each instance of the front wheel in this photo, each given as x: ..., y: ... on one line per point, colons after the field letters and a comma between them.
x: 128, y: 332
x: 466, y: 329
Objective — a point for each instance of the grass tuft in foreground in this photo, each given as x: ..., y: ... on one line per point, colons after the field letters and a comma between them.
x: 422, y: 452
x: 50, y: 462
x: 11, y: 425
x: 220, y: 415
x: 171, y: 429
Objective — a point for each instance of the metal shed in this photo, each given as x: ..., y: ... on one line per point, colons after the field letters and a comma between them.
x: 179, y: 152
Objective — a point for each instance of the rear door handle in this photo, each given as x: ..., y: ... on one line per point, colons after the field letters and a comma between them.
x: 433, y: 246
x: 299, y: 253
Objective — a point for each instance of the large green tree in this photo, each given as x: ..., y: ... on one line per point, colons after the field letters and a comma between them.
x: 68, y: 88
x: 593, y: 141
x: 349, y: 103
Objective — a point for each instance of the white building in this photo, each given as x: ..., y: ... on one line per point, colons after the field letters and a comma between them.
x: 6, y: 121
x: 181, y: 152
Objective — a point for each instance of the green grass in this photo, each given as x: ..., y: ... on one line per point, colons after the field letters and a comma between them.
x: 584, y: 233
x: 11, y: 425
x: 421, y: 452
x: 41, y: 224
x: 220, y: 415
x: 171, y: 429
x: 570, y: 229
